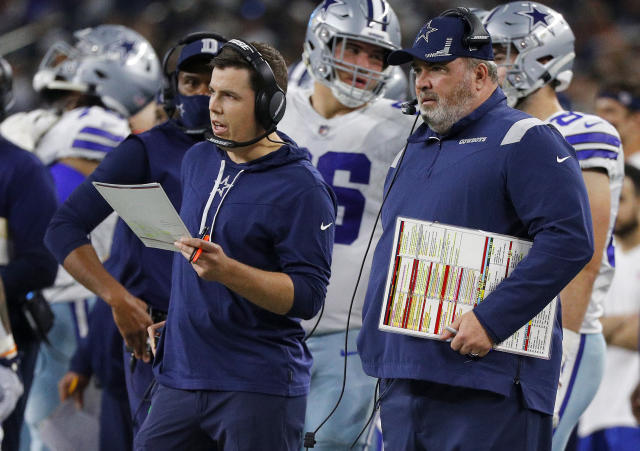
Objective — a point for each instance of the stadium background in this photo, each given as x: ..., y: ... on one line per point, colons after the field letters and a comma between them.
x: 607, y: 32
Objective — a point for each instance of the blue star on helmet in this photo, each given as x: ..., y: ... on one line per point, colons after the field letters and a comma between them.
x: 428, y: 29
x: 127, y: 46
x: 535, y: 16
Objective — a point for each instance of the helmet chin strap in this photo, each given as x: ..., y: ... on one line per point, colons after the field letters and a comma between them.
x: 346, y: 100
x: 232, y: 144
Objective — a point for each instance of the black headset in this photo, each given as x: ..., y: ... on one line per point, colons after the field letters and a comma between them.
x: 270, y: 98
x: 170, y: 87
x: 475, y: 35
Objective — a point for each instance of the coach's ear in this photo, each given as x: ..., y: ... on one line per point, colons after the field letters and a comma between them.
x: 481, y: 76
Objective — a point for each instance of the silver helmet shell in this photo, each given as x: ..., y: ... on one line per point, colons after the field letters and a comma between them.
x: 111, y: 62
x: 544, y: 44
x: 397, y: 87
x: 335, y: 21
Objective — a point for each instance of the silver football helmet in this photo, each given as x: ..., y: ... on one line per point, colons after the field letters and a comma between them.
x: 111, y: 62
x: 544, y: 44
x: 397, y: 87
x: 334, y: 22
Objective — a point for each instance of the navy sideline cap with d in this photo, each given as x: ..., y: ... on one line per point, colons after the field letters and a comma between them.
x: 442, y: 39
x: 205, y: 48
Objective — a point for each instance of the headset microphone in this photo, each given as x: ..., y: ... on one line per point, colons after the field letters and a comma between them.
x: 409, y: 107
x: 231, y: 144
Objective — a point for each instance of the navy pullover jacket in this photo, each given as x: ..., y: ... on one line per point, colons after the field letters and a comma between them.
x: 276, y: 214
x: 497, y: 170
x: 153, y: 156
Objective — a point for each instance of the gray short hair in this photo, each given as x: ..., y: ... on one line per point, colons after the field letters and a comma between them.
x: 492, y: 67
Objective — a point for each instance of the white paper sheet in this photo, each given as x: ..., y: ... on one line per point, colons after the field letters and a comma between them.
x: 147, y: 211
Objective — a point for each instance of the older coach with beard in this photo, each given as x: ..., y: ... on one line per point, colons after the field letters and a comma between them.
x: 475, y: 163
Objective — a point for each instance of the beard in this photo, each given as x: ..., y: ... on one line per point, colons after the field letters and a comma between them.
x: 448, y: 109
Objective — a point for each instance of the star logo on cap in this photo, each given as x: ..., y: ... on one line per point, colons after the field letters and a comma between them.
x: 428, y: 29
x: 535, y: 16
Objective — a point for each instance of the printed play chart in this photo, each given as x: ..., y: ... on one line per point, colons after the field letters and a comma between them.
x: 438, y: 272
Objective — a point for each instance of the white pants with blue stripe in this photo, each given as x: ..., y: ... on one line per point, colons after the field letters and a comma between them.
x: 585, y: 378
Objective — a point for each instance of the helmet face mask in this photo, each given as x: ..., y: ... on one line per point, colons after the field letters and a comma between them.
x: 333, y: 28
x: 58, y: 68
x: 543, y: 44
x: 349, y: 77
x: 111, y: 62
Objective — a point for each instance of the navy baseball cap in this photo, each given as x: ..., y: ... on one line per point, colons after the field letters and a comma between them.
x: 441, y: 40
x: 205, y: 48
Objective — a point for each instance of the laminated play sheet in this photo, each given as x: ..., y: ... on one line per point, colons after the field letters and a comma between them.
x: 438, y: 272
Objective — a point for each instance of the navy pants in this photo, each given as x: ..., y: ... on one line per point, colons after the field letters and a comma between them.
x: 115, y: 422
x: 137, y: 383
x: 420, y: 415
x: 223, y: 421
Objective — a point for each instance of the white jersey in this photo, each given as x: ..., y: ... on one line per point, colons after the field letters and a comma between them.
x: 87, y: 132
x: 26, y: 128
x: 611, y: 406
x: 597, y: 145
x: 353, y: 153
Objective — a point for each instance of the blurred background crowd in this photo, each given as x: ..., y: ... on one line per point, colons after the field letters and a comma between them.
x: 607, y: 32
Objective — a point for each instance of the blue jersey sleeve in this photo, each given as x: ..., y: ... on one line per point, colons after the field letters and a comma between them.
x: 31, y: 204
x: 545, y: 184
x: 85, y: 208
x: 305, y: 250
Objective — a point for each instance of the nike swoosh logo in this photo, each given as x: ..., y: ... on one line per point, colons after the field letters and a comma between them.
x: 325, y: 227
x: 560, y: 160
x: 591, y: 125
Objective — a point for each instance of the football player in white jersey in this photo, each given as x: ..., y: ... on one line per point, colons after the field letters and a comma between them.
x: 534, y: 50
x: 353, y: 135
x: 102, y: 86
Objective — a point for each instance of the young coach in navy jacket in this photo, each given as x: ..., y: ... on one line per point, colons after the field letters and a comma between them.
x: 476, y: 163
x: 231, y: 362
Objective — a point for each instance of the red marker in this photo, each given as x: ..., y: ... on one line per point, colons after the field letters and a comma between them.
x: 195, y: 255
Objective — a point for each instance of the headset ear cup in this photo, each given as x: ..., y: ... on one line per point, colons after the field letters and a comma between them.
x: 277, y: 105
x: 262, y: 110
x: 475, y: 34
x: 169, y: 94
x: 270, y: 108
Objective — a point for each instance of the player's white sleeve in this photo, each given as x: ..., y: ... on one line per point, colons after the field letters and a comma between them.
x: 85, y: 133
x: 25, y: 129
